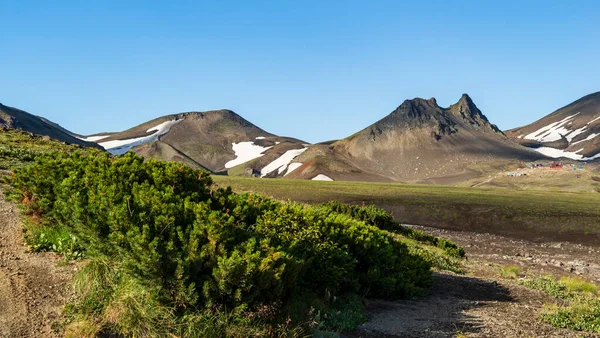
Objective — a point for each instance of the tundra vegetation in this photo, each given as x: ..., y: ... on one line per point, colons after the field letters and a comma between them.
x: 166, y: 252
x: 577, y: 305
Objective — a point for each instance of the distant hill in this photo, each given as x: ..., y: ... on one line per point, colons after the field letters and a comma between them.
x: 13, y: 118
x: 572, y: 131
x: 418, y: 141
x: 218, y: 140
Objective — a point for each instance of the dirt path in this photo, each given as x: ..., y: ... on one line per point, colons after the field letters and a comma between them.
x: 480, y: 303
x: 33, y: 288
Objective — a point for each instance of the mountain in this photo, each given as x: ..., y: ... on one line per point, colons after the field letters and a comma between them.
x: 418, y: 141
x: 218, y: 140
x: 14, y: 118
x: 572, y: 131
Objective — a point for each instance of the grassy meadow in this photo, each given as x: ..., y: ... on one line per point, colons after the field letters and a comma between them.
x: 530, y: 214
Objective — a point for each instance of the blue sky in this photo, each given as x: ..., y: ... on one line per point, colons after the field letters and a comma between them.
x: 314, y: 70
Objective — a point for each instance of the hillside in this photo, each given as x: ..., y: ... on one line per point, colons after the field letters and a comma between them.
x: 215, y: 140
x: 570, y: 131
x: 13, y: 118
x: 418, y: 141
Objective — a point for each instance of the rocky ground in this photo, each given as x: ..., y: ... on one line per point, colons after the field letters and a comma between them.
x: 480, y: 303
x: 33, y: 287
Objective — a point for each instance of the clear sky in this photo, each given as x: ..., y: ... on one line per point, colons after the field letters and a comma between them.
x: 314, y: 70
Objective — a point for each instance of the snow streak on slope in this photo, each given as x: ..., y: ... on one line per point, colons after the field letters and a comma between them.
x: 590, y: 136
x: 93, y: 138
x: 322, y: 177
x: 119, y: 147
x: 596, y: 119
x: 292, y: 167
x: 282, y: 162
x: 551, y: 132
x: 553, y: 152
x: 245, y: 151
x: 557, y: 130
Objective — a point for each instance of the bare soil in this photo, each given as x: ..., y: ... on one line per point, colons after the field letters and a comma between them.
x: 480, y: 303
x: 33, y: 288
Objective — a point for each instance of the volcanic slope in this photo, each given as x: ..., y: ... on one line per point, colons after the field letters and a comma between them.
x: 13, y: 118
x: 572, y: 131
x: 218, y: 140
x: 418, y: 142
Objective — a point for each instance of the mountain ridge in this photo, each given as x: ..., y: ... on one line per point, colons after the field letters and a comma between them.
x: 14, y: 118
x: 571, y: 131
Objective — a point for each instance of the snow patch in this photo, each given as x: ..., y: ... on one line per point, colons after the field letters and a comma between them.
x: 322, y: 177
x: 261, y: 138
x: 282, y: 162
x: 571, y: 135
x: 552, y: 152
x: 551, y: 132
x: 590, y: 136
x: 93, y: 138
x: 292, y: 167
x: 244, y: 152
x: 120, y: 147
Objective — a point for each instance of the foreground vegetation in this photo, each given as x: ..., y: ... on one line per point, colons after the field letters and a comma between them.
x: 167, y: 253
x: 19, y: 148
x: 579, y: 306
x: 526, y: 214
x: 576, y: 305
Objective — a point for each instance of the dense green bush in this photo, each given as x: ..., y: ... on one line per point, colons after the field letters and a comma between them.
x: 383, y: 220
x: 191, y: 248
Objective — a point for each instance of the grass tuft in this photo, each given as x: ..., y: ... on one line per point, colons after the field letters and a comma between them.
x: 575, y: 284
x: 510, y: 272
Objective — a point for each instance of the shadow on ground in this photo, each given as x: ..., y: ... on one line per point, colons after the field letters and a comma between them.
x: 439, y: 314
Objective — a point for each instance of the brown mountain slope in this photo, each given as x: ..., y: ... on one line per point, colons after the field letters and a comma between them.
x: 421, y: 141
x: 201, y: 139
x: 572, y: 131
x: 14, y: 118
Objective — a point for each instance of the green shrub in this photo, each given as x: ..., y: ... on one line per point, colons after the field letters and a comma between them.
x: 549, y: 285
x: 583, y: 316
x: 580, y: 308
x: 383, y: 220
x: 165, y: 248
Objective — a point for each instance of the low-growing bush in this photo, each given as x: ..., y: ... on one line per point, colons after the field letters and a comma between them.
x: 165, y: 247
x: 582, y: 316
x: 549, y: 285
x: 580, y: 305
x: 383, y: 220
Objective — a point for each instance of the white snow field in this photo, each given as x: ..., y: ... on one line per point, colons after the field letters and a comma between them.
x: 552, y: 152
x: 244, y: 152
x: 322, y: 177
x: 93, y: 138
x: 551, y: 132
x: 292, y: 167
x: 282, y: 162
x: 554, y: 132
x: 120, y: 147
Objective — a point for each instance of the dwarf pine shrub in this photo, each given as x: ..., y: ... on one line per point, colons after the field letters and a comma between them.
x: 191, y: 248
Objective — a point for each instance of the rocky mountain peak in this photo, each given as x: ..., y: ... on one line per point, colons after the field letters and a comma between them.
x: 466, y: 110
